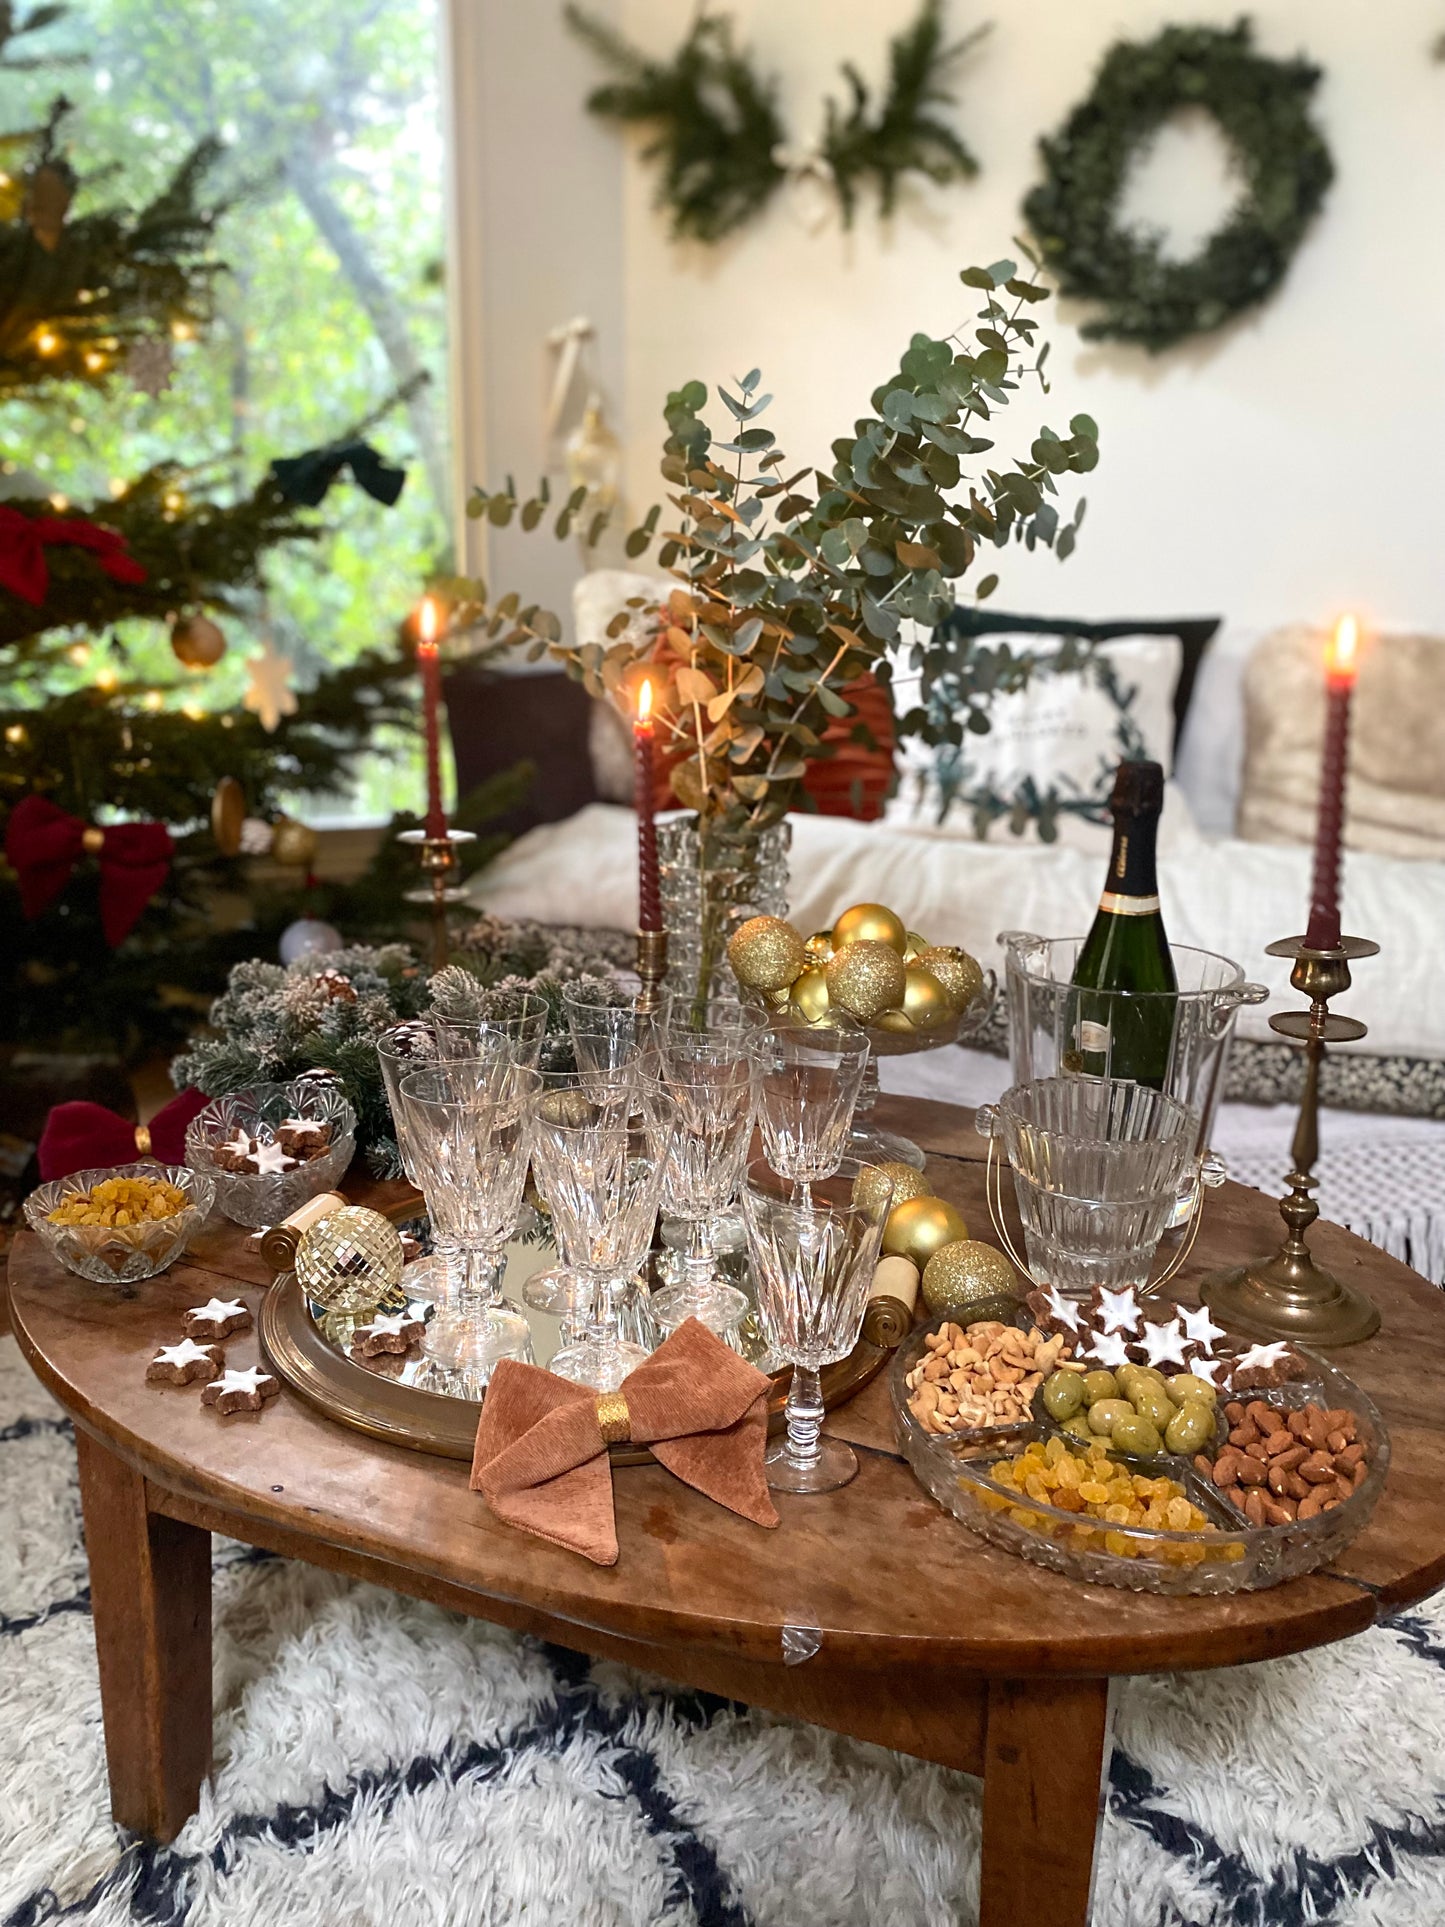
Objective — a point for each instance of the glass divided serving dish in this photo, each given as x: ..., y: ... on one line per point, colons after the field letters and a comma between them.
x: 120, y: 1254
x: 1231, y: 1555
x: 264, y: 1198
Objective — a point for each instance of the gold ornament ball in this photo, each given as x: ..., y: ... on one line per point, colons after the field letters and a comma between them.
x: 960, y: 974
x: 965, y: 1271
x: 891, y: 1179
x: 766, y: 954
x: 197, y: 642
x: 870, y: 923
x: 809, y: 996
x: 925, y: 1001
x: 919, y: 1226
x: 293, y: 842
x: 896, y: 1021
x: 820, y: 946
x: 866, y: 977
x: 913, y: 946
x: 351, y: 1261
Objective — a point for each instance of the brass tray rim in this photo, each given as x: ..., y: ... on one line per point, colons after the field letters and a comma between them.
x: 446, y: 1428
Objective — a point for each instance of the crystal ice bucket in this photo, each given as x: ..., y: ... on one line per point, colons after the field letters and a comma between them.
x: 1097, y: 1165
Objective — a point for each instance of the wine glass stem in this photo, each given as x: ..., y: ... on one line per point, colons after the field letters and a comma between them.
x: 804, y: 1413
x: 699, y: 1263
x: 474, y: 1276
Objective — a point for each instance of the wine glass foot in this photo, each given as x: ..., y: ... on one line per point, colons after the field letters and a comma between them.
x: 598, y: 1363
x: 720, y: 1307
x: 884, y: 1147
x: 835, y: 1464
x: 461, y: 1349
x: 557, y: 1292
x: 426, y: 1278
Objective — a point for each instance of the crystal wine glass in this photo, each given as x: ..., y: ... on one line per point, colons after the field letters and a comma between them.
x: 469, y: 1120
x: 607, y: 1030
x: 814, y: 1256
x: 407, y: 1047
x: 600, y: 1166
x: 521, y: 1021
x: 705, y: 1069
x: 806, y: 1084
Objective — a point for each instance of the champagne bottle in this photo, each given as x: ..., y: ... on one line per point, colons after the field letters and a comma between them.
x: 1126, y: 949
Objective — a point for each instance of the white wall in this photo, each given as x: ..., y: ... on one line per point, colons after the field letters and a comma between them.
x: 1280, y: 470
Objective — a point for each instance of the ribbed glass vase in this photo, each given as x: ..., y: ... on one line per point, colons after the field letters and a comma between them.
x: 711, y: 883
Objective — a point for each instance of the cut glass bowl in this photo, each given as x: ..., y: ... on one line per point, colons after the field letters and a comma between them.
x: 120, y: 1254
x: 254, y: 1199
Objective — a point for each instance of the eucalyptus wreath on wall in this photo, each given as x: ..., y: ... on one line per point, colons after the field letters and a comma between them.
x: 1261, y: 106
x: 720, y: 140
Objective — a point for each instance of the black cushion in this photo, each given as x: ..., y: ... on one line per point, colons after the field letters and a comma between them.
x: 496, y: 721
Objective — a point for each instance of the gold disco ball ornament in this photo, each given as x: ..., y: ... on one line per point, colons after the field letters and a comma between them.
x: 351, y: 1261
x: 890, y: 1180
x: 809, y: 996
x: 920, y: 1226
x: 960, y: 974
x: 866, y: 977
x: 963, y: 1272
x: 766, y: 954
x: 925, y: 1001
x: 293, y: 842
x: 870, y: 923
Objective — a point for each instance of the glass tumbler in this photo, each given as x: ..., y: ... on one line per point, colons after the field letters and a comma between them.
x: 1097, y: 1163
x: 805, y: 1088
x: 600, y: 1166
x: 470, y: 1125
x: 814, y: 1254
x: 521, y: 1021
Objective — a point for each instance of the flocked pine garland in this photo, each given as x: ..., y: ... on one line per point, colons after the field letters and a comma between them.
x: 1262, y: 109
x: 720, y: 141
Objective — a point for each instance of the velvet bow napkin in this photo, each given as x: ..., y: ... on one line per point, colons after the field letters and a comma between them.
x: 541, y: 1459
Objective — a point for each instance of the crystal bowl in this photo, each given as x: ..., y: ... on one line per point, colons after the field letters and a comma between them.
x: 264, y: 1198
x: 1233, y: 1556
x: 120, y: 1254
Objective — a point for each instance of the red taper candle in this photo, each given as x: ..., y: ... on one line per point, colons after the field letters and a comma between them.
x: 428, y: 655
x: 649, y: 891
x: 1323, y: 932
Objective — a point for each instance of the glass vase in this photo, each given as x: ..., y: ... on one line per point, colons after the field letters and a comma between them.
x: 714, y: 879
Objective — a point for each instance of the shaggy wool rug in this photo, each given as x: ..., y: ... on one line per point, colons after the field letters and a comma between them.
x: 380, y: 1763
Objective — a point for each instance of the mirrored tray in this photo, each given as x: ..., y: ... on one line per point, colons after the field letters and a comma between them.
x: 311, y: 1350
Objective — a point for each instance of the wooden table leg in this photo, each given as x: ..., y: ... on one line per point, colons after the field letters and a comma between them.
x: 1046, y: 1753
x: 150, y: 1589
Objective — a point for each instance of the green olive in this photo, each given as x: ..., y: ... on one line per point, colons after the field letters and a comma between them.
x: 1135, y: 1434
x: 1152, y: 1403
x: 1153, y: 1373
x: 1191, y: 1428
x: 1078, y: 1427
x: 1063, y: 1394
x: 1127, y: 1375
x: 1099, y: 1385
x: 1105, y: 1414
x: 1186, y: 1386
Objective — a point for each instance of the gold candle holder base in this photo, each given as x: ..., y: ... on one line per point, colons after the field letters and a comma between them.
x: 1288, y: 1295
x: 651, y: 968
x: 438, y: 858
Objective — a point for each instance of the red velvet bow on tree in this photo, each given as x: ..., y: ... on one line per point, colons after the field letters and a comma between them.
x: 43, y: 842
x: 25, y: 538
x: 81, y: 1136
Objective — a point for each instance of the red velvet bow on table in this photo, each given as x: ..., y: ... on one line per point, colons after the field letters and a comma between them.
x: 81, y: 1136
x: 25, y: 538
x: 541, y: 1458
x: 43, y: 842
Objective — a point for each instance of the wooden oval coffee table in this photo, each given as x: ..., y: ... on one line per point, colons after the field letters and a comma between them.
x: 925, y: 1638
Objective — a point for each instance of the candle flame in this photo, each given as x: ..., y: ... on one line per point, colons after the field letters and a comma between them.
x: 644, y: 702
x: 427, y: 622
x: 1340, y: 660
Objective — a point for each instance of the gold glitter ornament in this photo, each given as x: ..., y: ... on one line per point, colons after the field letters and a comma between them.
x: 866, y: 977
x: 293, y: 842
x: 965, y: 1271
x: 809, y: 996
x: 892, y: 1178
x: 919, y: 1226
x: 351, y: 1261
x: 960, y: 974
x: 766, y: 954
x: 925, y: 1001
x: 870, y: 923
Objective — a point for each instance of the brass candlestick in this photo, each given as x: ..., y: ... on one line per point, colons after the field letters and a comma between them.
x: 1288, y: 1295
x: 651, y: 968
x: 438, y: 856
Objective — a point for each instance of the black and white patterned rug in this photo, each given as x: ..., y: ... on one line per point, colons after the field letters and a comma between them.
x: 379, y: 1761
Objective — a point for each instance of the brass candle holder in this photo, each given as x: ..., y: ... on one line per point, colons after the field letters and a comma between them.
x: 651, y: 968
x: 1288, y: 1295
x: 439, y: 858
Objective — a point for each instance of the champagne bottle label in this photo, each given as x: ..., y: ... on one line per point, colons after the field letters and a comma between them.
x: 1118, y: 905
x: 1094, y: 1037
